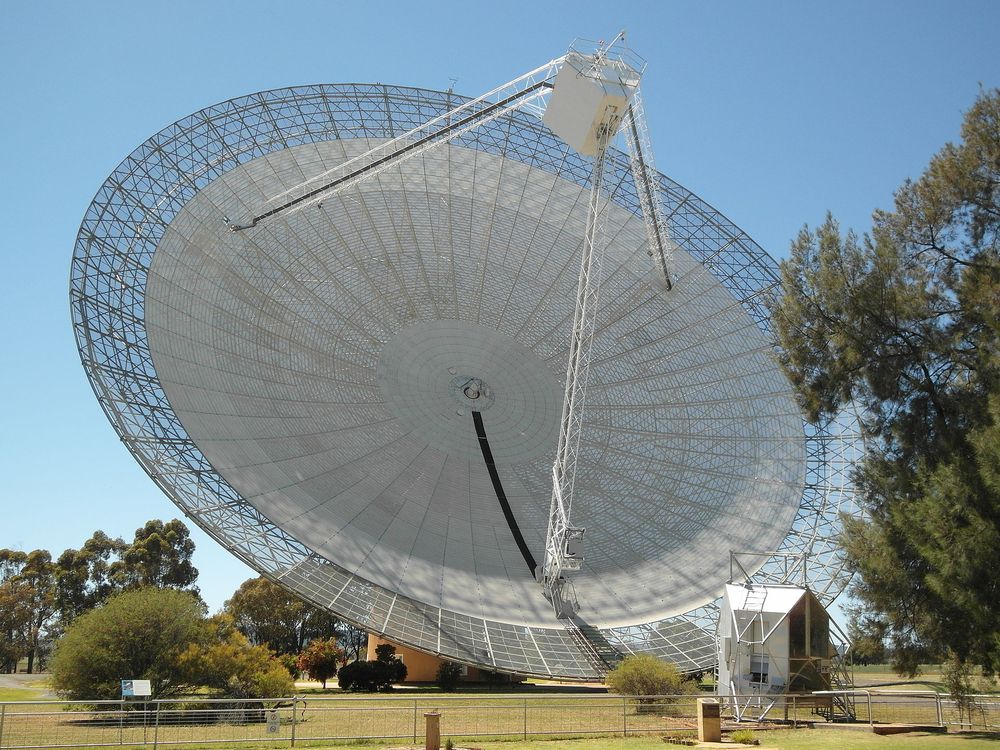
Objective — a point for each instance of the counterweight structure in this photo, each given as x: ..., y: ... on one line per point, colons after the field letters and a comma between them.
x: 333, y: 324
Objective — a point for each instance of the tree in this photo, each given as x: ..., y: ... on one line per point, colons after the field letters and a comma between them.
x: 15, y: 614
x: 644, y: 674
x: 38, y: 577
x: 232, y: 666
x: 160, y: 555
x: 905, y: 324
x: 269, y: 614
x: 27, y: 605
x: 39, y: 598
x: 353, y: 640
x: 448, y: 675
x: 373, y: 676
x: 84, y: 576
x: 320, y: 659
x: 385, y: 654
x: 139, y: 634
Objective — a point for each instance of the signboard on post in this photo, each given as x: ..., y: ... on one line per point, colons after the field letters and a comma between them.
x: 136, y: 689
x: 273, y: 722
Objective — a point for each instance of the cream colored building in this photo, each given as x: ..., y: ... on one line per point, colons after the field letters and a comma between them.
x: 422, y: 667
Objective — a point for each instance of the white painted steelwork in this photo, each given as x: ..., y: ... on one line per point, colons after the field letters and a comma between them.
x: 289, y: 385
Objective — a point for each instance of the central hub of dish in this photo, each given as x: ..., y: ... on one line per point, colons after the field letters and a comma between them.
x: 433, y: 375
x: 471, y: 393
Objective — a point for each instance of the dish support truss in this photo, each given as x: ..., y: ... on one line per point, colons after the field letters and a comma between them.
x: 112, y: 256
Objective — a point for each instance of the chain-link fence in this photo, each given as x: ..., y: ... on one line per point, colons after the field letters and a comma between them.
x: 313, y: 719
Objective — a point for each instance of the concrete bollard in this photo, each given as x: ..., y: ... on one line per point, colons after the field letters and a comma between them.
x: 709, y: 720
x: 432, y: 731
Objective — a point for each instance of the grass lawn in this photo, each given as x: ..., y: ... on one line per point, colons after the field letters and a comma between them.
x: 925, y: 669
x: 802, y: 739
x: 22, y: 694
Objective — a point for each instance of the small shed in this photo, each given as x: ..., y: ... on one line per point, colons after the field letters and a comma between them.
x: 773, y: 640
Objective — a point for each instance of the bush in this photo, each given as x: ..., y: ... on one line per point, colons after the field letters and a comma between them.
x: 447, y: 675
x: 643, y: 674
x: 743, y: 736
x: 233, y: 667
x: 162, y: 635
x: 373, y: 676
x: 139, y: 634
x: 353, y: 676
x: 370, y: 676
x: 386, y: 654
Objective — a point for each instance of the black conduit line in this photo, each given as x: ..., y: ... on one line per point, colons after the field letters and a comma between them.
x: 484, y: 445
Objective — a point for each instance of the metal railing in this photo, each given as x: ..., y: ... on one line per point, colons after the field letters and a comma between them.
x: 923, y: 707
x: 310, y: 720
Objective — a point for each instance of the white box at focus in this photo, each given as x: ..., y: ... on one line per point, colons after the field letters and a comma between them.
x: 579, y: 101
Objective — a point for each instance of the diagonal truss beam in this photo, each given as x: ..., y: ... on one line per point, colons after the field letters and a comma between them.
x: 513, y: 95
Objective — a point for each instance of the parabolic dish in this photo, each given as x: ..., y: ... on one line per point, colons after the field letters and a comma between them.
x: 304, y: 389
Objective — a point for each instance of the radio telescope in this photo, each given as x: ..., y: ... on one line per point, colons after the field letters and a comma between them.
x: 333, y: 322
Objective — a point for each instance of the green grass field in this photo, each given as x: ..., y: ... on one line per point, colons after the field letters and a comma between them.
x: 492, y: 720
x: 30, y: 692
x: 802, y: 739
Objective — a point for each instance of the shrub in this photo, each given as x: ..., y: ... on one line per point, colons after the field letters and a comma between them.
x: 370, y: 676
x: 385, y: 653
x: 743, y: 736
x: 643, y: 674
x: 447, y: 675
x: 353, y: 676
x: 139, y: 634
x: 233, y: 667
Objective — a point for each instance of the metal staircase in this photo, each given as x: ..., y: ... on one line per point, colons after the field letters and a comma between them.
x: 841, y: 706
x: 603, y: 657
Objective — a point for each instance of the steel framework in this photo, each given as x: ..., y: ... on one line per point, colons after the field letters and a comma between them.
x: 111, y: 262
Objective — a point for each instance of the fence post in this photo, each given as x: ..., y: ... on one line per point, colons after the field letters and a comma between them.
x: 121, y: 721
x: 156, y: 726
x: 414, y: 721
x: 3, y: 712
x: 795, y: 714
x: 940, y: 713
x: 624, y: 716
x: 525, y: 719
x: 295, y: 701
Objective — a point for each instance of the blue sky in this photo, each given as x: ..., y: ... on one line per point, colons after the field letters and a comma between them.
x: 773, y: 112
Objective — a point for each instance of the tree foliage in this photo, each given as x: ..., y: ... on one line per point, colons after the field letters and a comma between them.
x: 229, y: 664
x: 905, y: 325
x: 448, y: 675
x: 40, y: 597
x: 27, y: 605
x: 373, y: 676
x: 320, y: 659
x: 160, y: 555
x: 86, y: 577
x: 269, y: 614
x: 644, y: 674
x: 162, y: 635
x: 139, y: 634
